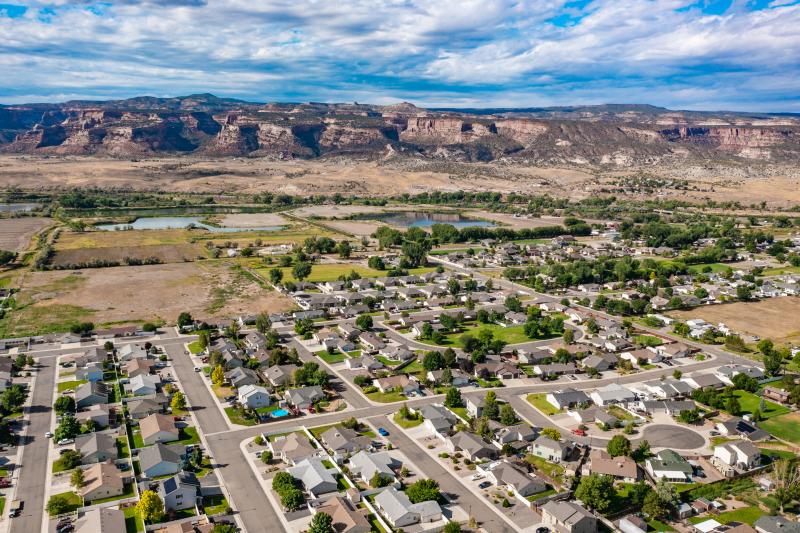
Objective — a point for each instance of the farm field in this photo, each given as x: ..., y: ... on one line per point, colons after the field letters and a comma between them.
x: 53, y: 301
x: 332, y: 271
x: 16, y: 233
x: 774, y: 318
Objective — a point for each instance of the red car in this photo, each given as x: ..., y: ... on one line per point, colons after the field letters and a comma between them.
x: 579, y: 432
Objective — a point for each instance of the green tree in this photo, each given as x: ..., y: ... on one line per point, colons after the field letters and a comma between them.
x: 64, y: 404
x: 552, y: 433
x: 433, y: 361
x: 452, y: 527
x: 301, y: 270
x: 58, y: 504
x: 423, y: 490
x: 453, y: 398
x: 185, y: 319
x: 618, y: 446
x: 364, y: 322
x: 68, y: 428
x: 322, y: 522
x: 569, y: 336
x: 224, y: 527
x: 150, y: 507
x: 178, y: 402
x: 507, y: 415
x: 344, y: 249
x: 76, y: 479
x: 275, y: 275
x: 218, y: 375
x: 266, y: 457
x: 653, y: 507
x: 595, y: 491
x: 490, y: 407
x: 773, y: 361
x: 786, y: 476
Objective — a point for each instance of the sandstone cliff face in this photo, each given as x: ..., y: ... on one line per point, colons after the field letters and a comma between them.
x: 428, y: 130
x: 751, y: 143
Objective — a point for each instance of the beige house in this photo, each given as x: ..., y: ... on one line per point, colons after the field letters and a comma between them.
x: 158, y: 428
x: 101, y: 480
x: 568, y: 517
x: 346, y: 518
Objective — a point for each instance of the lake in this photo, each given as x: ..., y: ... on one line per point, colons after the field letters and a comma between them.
x: 418, y: 219
x: 179, y: 223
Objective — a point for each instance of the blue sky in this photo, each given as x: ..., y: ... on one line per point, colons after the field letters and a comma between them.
x: 707, y: 54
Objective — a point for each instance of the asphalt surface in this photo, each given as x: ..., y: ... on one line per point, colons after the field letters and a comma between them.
x: 35, y: 450
x: 672, y: 436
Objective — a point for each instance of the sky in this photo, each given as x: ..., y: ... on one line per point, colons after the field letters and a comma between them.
x: 708, y: 55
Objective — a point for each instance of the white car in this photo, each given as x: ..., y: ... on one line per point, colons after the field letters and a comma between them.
x: 64, y: 442
x: 48, y: 435
x: 476, y: 477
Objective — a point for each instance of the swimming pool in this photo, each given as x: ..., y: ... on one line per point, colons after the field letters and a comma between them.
x: 278, y: 413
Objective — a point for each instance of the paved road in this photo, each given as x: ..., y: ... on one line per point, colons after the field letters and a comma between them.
x: 33, y: 473
x: 471, y: 503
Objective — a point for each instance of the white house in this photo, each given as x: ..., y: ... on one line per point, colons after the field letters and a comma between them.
x: 253, y: 396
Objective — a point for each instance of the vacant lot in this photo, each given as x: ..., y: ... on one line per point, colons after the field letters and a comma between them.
x: 166, y: 253
x: 775, y: 318
x: 251, y: 220
x: 53, y: 301
x: 332, y: 271
x: 16, y: 233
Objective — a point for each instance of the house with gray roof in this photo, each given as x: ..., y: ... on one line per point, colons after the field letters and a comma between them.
x: 365, y: 465
x: 316, y: 479
x: 612, y: 393
x: 341, y: 441
x: 568, y: 397
x: 91, y: 393
x: 160, y: 460
x: 568, y: 517
x: 400, y: 512
x: 511, y: 477
x: 142, y: 408
x: 776, y: 524
x: 471, y: 445
x: 438, y: 418
x: 304, y: 397
x: 292, y: 448
x: 180, y: 491
x: 279, y: 375
x: 549, y: 449
x: 241, y: 376
x: 96, y: 447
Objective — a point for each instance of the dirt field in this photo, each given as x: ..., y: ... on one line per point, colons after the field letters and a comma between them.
x: 52, y: 301
x: 166, y: 253
x: 252, y: 220
x: 16, y: 233
x: 775, y: 318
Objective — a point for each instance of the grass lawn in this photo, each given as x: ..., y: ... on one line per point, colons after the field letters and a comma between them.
x: 778, y: 271
x: 647, y: 340
x: 657, y: 526
x: 188, y: 435
x: 195, y: 347
x: 785, y: 427
x: 386, y: 397
x: 130, y: 491
x: 414, y: 367
x: 122, y: 448
x: 510, y: 335
x: 552, y: 470
x: 236, y: 417
x: 222, y: 391
x: 138, y: 441
x: 75, y: 501
x: 331, y: 272
x: 405, y: 423
x: 387, y: 362
x: 748, y: 515
x: 619, y: 412
x: 214, y: 505
x: 70, y: 385
x: 540, y: 402
x: 749, y: 402
x: 331, y: 358
x: 462, y: 412
x: 133, y: 524
x: 2, y: 504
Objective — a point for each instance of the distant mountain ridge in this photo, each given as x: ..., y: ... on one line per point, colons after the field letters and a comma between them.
x: 204, y: 124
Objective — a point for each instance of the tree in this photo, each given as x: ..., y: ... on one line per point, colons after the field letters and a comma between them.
x: 303, y: 326
x: 218, y: 375
x: 507, y: 415
x: 344, y: 249
x: 667, y: 493
x: 266, y: 457
x: 76, y: 479
x: 433, y: 361
x: 64, y: 404
x: 552, y: 433
x: 377, y: 480
x: 653, y: 507
x: 68, y: 428
x: 453, y: 398
x: 786, y: 476
x: 185, y: 319
x: 150, y: 507
x: 12, y: 398
x: 447, y: 377
x: 423, y: 490
x: 68, y: 460
x: 58, y: 504
x: 569, y: 336
x: 322, y: 522
x: 375, y: 262
x: 732, y: 405
x: 773, y: 361
x: 224, y: 527
x: 178, y: 402
x: 364, y: 322
x: 452, y: 527
x: 619, y: 446
x: 275, y: 275
x: 301, y: 270
x: 595, y: 491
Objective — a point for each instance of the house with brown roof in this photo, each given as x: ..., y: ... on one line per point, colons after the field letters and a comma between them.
x: 622, y: 468
x: 137, y: 367
x: 292, y: 448
x: 346, y: 518
x: 102, y: 480
x: 158, y: 428
x: 400, y: 381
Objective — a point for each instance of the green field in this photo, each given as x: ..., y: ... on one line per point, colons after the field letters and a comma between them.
x: 331, y: 272
x: 749, y: 402
x: 331, y: 358
x: 70, y: 385
x: 195, y: 347
x: 133, y: 523
x: 214, y: 505
x: 779, y: 271
x: 785, y: 427
x: 405, y: 423
x: 509, y: 335
x: 386, y: 397
x: 748, y: 515
x: 540, y: 402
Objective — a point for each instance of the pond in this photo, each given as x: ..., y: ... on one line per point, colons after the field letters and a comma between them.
x: 18, y: 208
x: 179, y: 223
x: 419, y: 219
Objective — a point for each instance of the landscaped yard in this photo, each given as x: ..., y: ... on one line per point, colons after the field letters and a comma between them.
x: 188, y: 435
x: 552, y: 470
x: 130, y: 491
x: 540, y: 402
x: 122, y: 448
x: 386, y: 397
x: 785, y: 427
x: 509, y: 335
x: 195, y: 347
x: 749, y: 402
x: 214, y: 505
x: 659, y: 527
x: 235, y: 416
x: 462, y: 412
x: 74, y: 501
x: 331, y: 358
x: 405, y: 423
x: 748, y: 515
x: 133, y: 523
x: 70, y: 385
x: 619, y: 412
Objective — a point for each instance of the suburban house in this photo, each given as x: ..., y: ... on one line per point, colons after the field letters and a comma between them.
x: 612, y: 394
x: 316, y: 479
x: 143, y: 408
x: 158, y: 428
x: 180, y: 491
x: 518, y: 433
x: 365, y: 465
x: 105, y: 519
x: 513, y: 478
x: 99, y: 414
x: 622, y: 468
x: 91, y: 372
x: 136, y: 367
x: 474, y: 407
x: 549, y: 449
x: 304, y: 397
x: 370, y: 342
x: 633, y: 523
x: 279, y: 375
x: 400, y: 512
x: 341, y: 440
x: 459, y: 377
x: 776, y: 524
x: 143, y: 385
x: 567, y: 398
x: 669, y: 465
x: 554, y: 369
x: 568, y: 517
x: 738, y: 427
x: 101, y: 480
x: 345, y: 516
x: 703, y: 381
x: 500, y: 370
x: 736, y: 457
x: 91, y: 393
x: 292, y: 449
x: 471, y: 445
x: 366, y: 362
x: 775, y: 394
x: 397, y: 352
x: 253, y: 396
x: 241, y: 376
x: 438, y: 418
x: 399, y: 382
x: 96, y: 447
x: 159, y: 460
x: 131, y: 351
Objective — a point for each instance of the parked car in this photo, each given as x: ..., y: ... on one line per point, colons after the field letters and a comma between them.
x: 383, y: 432
x: 485, y: 485
x: 64, y: 442
x: 476, y: 477
x: 579, y: 432
x: 48, y: 435
x: 197, y: 369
